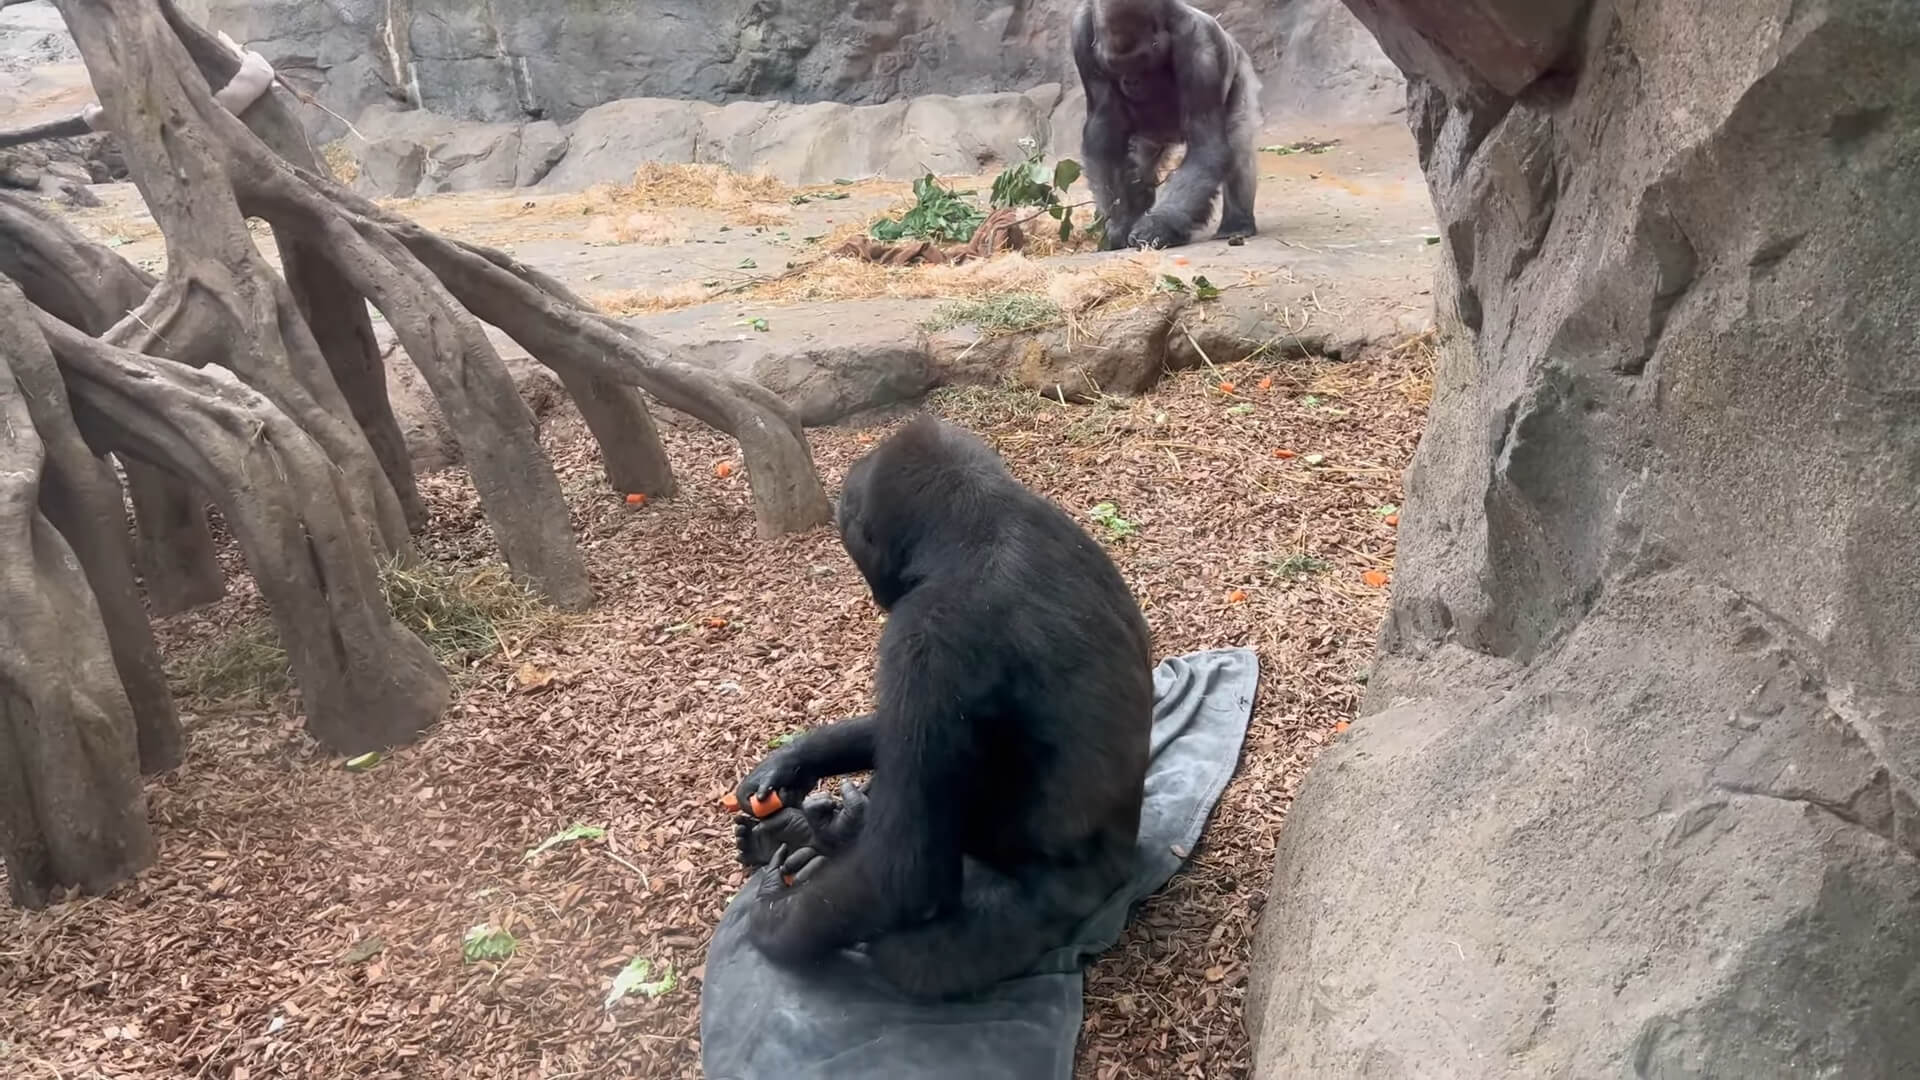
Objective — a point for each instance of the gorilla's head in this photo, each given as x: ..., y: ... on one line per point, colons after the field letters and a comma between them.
x: 924, y: 489
x: 1132, y: 35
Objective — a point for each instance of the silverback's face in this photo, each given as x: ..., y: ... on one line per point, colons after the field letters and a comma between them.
x: 1133, y: 44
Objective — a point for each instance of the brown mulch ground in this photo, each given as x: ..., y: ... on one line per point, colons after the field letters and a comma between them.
x: 306, y: 920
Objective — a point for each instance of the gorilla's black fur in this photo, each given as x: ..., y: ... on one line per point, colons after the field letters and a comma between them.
x: 1157, y: 73
x: 1013, y: 704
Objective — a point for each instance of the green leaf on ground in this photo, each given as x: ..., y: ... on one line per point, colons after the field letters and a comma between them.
x: 632, y: 979
x: 567, y: 836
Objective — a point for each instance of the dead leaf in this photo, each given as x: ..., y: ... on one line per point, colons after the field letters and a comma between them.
x: 364, y: 950
x: 530, y: 678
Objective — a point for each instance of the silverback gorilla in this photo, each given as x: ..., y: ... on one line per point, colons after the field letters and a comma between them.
x: 1156, y: 73
x: 1013, y: 701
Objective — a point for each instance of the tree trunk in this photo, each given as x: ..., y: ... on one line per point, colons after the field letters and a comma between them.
x: 335, y: 310
x: 91, y: 287
x: 218, y: 293
x: 293, y: 473
x: 562, y: 332
x: 63, y: 272
x: 71, y: 808
x: 630, y: 448
x: 338, y: 315
x: 499, y: 440
x: 616, y: 414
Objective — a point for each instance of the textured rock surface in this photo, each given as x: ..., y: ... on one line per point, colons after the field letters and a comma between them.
x: 511, y: 60
x: 807, y: 144
x: 1638, y: 793
x: 42, y: 79
x: 415, y: 152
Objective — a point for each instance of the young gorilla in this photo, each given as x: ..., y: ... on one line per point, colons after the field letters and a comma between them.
x: 1014, y: 701
x: 1158, y: 72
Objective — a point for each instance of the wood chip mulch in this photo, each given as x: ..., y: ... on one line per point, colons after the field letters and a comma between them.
x: 307, y: 920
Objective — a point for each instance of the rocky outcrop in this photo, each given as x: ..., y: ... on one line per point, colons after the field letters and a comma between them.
x: 807, y: 144
x: 42, y: 80
x: 1638, y: 791
x: 62, y: 168
x: 414, y: 152
x: 514, y: 60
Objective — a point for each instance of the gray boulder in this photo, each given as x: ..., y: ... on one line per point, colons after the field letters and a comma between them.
x: 610, y: 141
x: 1637, y: 791
x: 827, y: 361
x: 32, y: 35
x: 414, y: 152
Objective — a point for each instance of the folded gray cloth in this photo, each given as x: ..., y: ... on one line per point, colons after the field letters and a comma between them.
x: 839, y: 1020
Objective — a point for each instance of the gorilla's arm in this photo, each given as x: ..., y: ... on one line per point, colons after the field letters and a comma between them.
x: 1200, y: 69
x: 1122, y: 191
x: 829, y: 750
x: 904, y: 865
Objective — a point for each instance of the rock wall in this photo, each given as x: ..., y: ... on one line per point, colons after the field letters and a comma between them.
x: 512, y: 60
x: 415, y: 152
x: 1638, y: 793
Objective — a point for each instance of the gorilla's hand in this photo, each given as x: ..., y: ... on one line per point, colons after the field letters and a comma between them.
x: 1155, y: 232
x: 783, y: 771
x: 819, y: 825
x: 759, y: 838
x: 835, y: 825
x: 786, y: 871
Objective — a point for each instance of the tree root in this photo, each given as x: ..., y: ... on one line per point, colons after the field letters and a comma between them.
x: 90, y: 287
x: 561, y: 331
x: 366, y: 681
x: 71, y: 808
x: 173, y: 547
x: 218, y: 294
x: 81, y: 498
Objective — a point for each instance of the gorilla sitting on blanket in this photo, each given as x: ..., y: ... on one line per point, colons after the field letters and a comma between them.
x: 1008, y: 746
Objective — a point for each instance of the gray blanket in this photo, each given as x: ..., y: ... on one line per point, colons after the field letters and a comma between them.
x: 839, y: 1020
